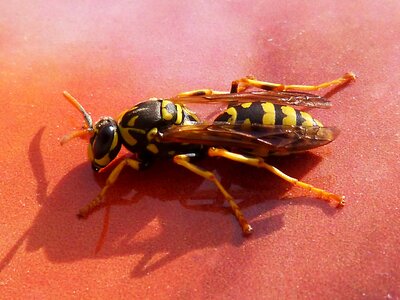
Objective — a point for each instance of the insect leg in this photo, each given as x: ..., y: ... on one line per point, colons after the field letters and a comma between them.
x: 201, y: 92
x: 96, y: 202
x: 269, y: 86
x: 184, y: 161
x: 333, y: 199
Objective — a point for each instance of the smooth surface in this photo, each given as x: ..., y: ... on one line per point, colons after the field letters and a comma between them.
x: 111, y: 56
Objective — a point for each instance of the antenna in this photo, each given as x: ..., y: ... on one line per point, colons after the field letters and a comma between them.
x: 88, y: 119
x: 78, y: 106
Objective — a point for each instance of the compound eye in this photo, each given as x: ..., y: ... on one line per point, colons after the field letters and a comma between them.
x: 105, y: 144
x: 103, y: 140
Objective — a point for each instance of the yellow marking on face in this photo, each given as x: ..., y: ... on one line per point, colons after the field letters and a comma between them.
x: 164, y: 111
x: 132, y: 121
x: 179, y: 114
x: 152, y: 148
x: 290, y: 118
x: 152, y: 133
x: 104, y: 161
x: 127, y: 137
x: 115, y: 141
x: 233, y: 113
x: 269, y: 113
x: 246, y: 105
x: 308, y: 120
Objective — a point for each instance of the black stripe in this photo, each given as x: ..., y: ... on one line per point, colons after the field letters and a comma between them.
x: 279, y: 115
x: 299, y: 118
x: 254, y: 113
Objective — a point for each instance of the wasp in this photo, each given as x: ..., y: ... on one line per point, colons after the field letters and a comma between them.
x: 255, y: 124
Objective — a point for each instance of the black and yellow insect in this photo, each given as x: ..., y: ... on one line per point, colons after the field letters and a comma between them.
x: 256, y: 124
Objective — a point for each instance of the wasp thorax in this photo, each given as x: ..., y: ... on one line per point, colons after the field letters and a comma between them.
x: 105, y: 143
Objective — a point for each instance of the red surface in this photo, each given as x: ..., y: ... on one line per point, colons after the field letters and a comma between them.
x: 111, y: 56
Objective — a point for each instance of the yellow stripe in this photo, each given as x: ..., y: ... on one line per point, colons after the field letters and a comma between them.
x: 121, y: 115
x: 246, y: 105
x: 308, y: 120
x: 165, y: 113
x: 127, y: 137
x: 318, y: 123
x: 191, y: 113
x: 246, y: 124
x: 115, y: 141
x: 233, y: 113
x: 132, y: 121
x: 152, y: 133
x: 152, y: 148
x: 269, y: 113
x: 179, y: 114
x: 290, y: 118
x: 104, y: 161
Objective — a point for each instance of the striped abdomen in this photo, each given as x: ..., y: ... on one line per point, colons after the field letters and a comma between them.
x: 266, y: 113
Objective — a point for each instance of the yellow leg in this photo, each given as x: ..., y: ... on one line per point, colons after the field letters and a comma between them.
x: 183, y: 160
x: 241, y: 84
x: 201, y: 92
x: 96, y: 202
x: 333, y: 199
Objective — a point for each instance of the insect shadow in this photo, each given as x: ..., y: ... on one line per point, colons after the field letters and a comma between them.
x: 156, y: 224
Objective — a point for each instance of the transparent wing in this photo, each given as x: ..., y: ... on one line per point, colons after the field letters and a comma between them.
x: 259, y: 140
x: 291, y: 98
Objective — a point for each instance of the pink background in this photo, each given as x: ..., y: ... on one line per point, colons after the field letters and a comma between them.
x: 111, y: 56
